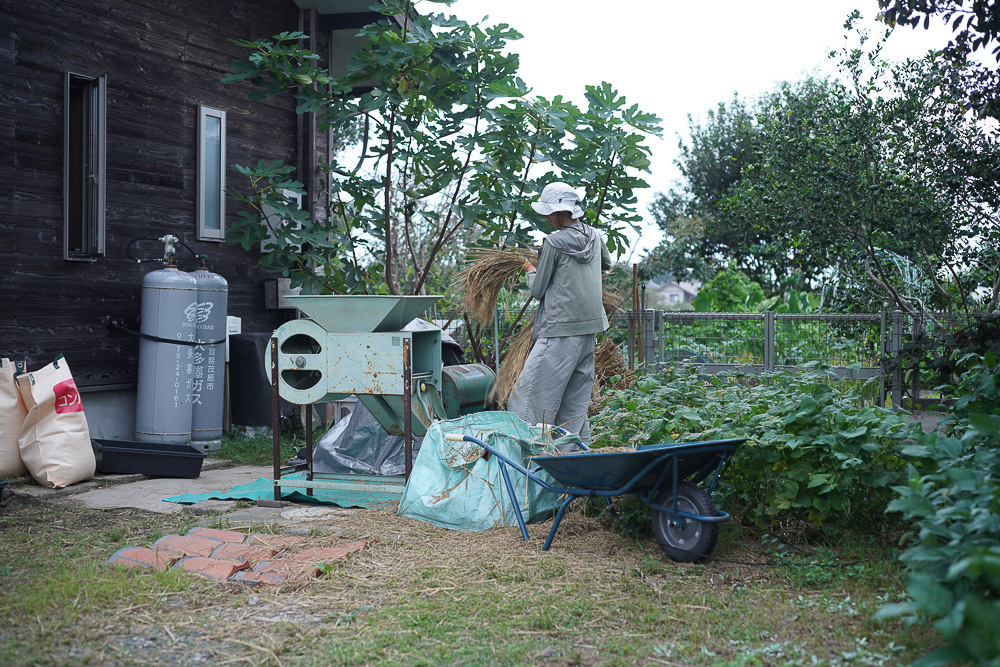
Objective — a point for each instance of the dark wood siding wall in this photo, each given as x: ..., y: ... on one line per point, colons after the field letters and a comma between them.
x: 162, y: 59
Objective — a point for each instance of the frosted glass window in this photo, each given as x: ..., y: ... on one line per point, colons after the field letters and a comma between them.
x: 211, y: 174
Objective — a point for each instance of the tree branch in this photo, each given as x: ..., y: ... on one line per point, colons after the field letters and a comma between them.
x: 390, y: 279
x: 958, y: 285
x: 473, y: 338
x: 883, y: 282
x: 436, y: 248
x: 524, y: 178
x: 604, y: 189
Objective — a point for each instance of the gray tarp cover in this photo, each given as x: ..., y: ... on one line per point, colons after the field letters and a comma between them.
x: 358, y: 444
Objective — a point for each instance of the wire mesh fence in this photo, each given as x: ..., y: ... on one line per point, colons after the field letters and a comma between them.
x: 857, y: 347
x: 916, y: 343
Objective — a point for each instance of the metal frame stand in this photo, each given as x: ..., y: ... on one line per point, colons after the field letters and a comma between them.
x: 388, y: 486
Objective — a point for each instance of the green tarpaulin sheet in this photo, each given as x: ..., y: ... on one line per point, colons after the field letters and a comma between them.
x: 264, y: 488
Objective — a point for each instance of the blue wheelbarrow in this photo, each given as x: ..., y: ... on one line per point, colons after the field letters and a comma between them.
x: 666, y: 478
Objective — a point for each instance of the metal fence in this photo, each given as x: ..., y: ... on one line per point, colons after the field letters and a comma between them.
x: 851, y: 345
x: 855, y: 346
x: 914, y: 383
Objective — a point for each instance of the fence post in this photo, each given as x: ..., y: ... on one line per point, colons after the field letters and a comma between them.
x: 648, y: 342
x: 895, y: 347
x: 768, y: 340
x: 635, y: 356
x: 660, y: 361
x: 883, y: 348
x: 918, y: 328
x: 631, y: 340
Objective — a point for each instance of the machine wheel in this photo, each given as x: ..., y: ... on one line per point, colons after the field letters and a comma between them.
x: 697, y: 539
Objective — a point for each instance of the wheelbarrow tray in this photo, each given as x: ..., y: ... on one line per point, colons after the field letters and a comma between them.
x: 663, y: 477
x: 605, y: 471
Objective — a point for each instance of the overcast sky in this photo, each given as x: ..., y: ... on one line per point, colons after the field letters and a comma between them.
x: 678, y: 58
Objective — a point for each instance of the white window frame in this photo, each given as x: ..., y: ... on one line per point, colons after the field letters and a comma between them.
x: 91, y: 203
x: 204, y: 233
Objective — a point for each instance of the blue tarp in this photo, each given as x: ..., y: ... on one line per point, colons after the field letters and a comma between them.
x: 452, y: 486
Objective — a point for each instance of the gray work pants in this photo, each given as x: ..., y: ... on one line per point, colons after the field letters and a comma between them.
x: 555, y: 384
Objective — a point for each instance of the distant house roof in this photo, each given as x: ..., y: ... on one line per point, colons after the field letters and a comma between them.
x: 673, y: 292
x: 689, y: 289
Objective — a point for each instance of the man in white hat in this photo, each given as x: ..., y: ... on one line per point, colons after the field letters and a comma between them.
x: 558, y: 376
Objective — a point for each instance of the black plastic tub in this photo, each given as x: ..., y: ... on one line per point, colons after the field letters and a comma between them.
x: 147, y: 458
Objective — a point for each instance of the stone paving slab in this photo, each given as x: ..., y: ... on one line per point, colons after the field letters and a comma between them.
x: 140, y: 491
x: 149, y: 493
x: 27, y: 486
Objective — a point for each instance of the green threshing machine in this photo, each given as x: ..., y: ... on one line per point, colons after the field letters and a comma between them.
x: 356, y: 345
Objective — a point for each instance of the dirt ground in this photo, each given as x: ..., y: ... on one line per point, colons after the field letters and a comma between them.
x: 204, y: 622
x: 419, y: 594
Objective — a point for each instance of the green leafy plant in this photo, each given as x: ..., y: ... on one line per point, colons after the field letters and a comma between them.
x: 814, y: 454
x: 951, y: 498
x: 945, y: 360
x: 455, y: 145
x: 729, y: 291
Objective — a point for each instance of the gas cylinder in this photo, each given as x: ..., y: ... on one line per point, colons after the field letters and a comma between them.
x: 163, y: 398
x: 209, y: 363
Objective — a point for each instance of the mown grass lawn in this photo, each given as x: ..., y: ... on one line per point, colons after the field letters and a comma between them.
x: 422, y: 595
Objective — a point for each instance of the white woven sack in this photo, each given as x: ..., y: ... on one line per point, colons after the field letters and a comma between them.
x: 54, y: 439
x: 12, y: 413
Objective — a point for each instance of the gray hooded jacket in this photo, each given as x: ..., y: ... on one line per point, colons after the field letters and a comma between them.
x: 567, y: 283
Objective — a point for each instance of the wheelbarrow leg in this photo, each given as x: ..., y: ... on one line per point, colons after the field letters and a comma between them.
x: 513, y: 498
x: 555, y: 524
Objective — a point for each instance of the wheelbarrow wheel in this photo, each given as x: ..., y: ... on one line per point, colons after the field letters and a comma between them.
x: 697, y: 538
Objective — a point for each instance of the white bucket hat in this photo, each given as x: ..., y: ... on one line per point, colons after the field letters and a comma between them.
x: 558, y: 197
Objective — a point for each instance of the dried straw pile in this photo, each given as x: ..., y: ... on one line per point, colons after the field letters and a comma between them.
x: 608, y: 363
x: 491, y: 271
x: 612, y: 302
x: 513, y: 361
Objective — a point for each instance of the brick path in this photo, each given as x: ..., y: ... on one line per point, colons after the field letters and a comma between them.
x: 228, y: 555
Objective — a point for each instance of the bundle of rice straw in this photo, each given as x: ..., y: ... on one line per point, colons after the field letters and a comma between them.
x: 608, y: 363
x: 513, y: 362
x: 492, y: 270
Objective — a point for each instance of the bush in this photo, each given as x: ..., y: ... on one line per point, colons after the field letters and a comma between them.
x: 952, y: 499
x: 814, y: 453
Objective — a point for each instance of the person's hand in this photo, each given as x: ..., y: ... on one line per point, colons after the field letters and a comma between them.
x: 527, y: 266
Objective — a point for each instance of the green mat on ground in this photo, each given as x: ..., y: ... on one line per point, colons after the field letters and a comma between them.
x: 264, y: 488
